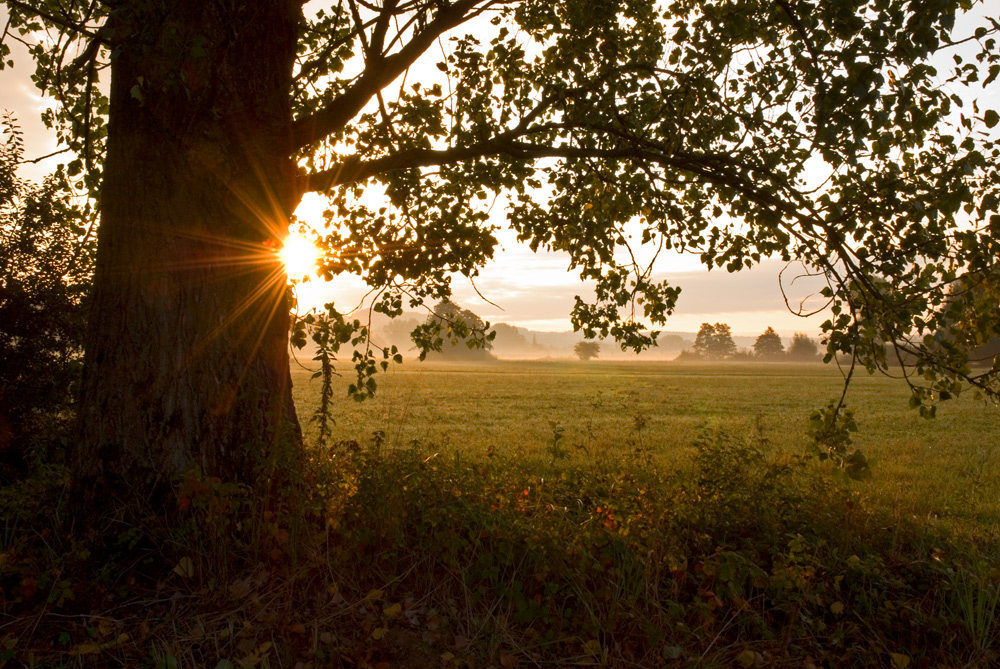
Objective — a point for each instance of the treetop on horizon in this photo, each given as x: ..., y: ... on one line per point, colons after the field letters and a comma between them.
x: 768, y: 344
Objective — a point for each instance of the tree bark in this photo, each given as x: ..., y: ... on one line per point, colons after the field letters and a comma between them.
x: 186, y: 358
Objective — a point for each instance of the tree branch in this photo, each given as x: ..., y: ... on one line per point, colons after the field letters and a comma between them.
x: 57, y: 20
x: 382, y: 26
x: 353, y: 170
x: 719, y: 170
x: 377, y: 76
x: 39, y: 159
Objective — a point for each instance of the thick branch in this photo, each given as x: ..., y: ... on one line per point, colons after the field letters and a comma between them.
x: 56, y: 20
x: 377, y: 75
x: 719, y: 170
x: 382, y: 26
x: 354, y: 170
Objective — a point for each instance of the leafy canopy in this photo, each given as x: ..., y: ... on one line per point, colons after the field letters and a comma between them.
x: 816, y: 132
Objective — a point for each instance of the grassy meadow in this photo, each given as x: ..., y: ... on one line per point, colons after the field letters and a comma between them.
x: 536, y: 514
x: 629, y: 414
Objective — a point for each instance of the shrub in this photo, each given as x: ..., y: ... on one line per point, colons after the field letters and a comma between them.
x: 430, y: 557
x: 45, y: 270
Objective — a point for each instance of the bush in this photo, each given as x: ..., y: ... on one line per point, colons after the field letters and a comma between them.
x: 45, y: 269
x: 423, y: 557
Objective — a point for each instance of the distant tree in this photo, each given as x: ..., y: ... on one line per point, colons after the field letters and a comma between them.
x: 585, y: 350
x: 803, y: 348
x: 672, y: 342
x: 398, y: 330
x: 509, y: 338
x: 715, y: 342
x: 458, y: 333
x: 768, y: 345
x: 703, y: 340
x: 723, y: 345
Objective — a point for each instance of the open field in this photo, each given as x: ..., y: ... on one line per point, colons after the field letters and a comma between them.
x: 673, y: 524
x: 945, y: 470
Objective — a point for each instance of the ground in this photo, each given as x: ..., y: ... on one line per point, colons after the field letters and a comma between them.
x: 528, y: 513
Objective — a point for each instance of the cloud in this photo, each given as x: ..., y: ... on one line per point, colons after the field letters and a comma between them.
x: 756, y: 289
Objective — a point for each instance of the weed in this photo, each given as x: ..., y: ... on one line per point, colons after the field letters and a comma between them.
x: 640, y: 450
x: 556, y: 449
x: 975, y: 602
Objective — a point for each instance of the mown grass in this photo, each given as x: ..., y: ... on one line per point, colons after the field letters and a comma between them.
x: 674, y: 523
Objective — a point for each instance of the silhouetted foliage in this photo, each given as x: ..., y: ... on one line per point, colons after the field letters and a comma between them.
x: 45, y: 271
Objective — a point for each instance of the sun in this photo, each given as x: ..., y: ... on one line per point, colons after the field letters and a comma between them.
x: 299, y: 255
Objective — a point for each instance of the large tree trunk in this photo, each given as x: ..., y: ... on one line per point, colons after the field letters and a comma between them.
x: 186, y: 363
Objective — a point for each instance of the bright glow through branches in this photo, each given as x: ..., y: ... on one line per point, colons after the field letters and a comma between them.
x: 299, y: 255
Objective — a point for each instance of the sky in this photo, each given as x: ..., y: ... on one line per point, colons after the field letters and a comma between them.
x: 536, y: 290
x: 532, y: 290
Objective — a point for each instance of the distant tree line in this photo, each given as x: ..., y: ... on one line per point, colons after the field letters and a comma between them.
x: 715, y: 342
x: 461, y: 335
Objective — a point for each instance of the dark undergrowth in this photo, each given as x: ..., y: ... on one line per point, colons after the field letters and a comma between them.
x: 422, y: 559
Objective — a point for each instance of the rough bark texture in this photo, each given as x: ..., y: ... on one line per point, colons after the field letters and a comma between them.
x: 187, y: 363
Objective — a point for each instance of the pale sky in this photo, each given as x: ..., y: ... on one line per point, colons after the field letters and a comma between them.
x: 529, y: 290
x: 536, y: 290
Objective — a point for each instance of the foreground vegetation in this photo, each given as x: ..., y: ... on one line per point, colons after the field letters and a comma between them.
x: 623, y: 414
x: 657, y: 524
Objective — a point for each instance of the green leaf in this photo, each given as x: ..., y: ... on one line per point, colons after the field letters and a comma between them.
x: 991, y: 118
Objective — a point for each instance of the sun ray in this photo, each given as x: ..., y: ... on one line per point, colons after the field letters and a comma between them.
x: 299, y: 255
